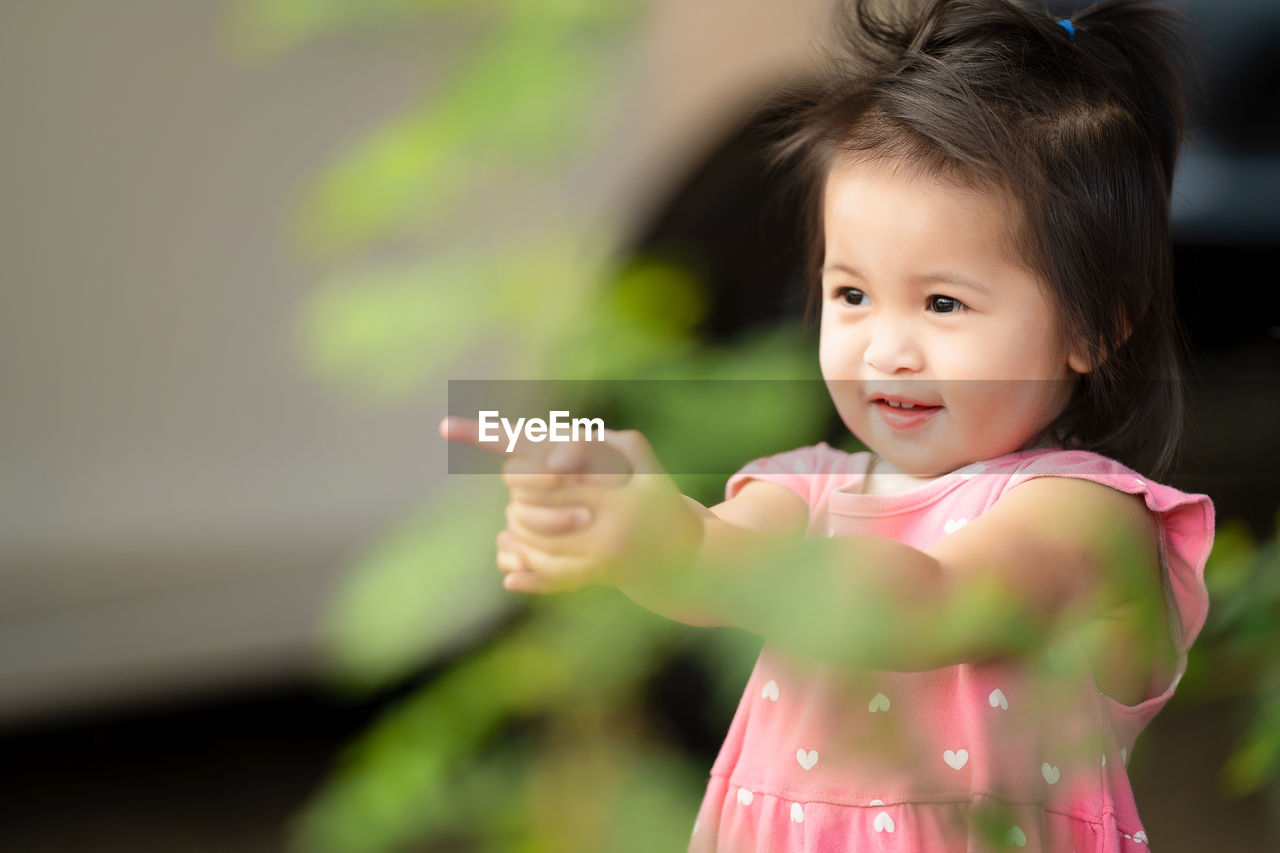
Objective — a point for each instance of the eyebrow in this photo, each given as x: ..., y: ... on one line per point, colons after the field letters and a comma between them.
x: 933, y: 278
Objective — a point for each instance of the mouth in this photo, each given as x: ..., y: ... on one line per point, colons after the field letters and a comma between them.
x: 897, y: 401
x: 903, y: 412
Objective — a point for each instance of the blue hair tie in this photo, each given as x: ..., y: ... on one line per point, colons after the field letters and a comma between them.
x: 1066, y: 24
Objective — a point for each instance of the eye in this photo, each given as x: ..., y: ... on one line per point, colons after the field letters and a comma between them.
x: 850, y: 296
x: 946, y: 305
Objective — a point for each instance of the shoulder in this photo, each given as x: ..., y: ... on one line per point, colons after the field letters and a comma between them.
x: 1183, y: 522
x: 1185, y: 516
x: 1083, y: 513
x: 1088, y: 498
x: 764, y: 506
x: 776, y: 492
x: 797, y: 469
x: 1074, y: 486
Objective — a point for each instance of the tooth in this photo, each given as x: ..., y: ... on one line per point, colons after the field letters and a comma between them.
x: 908, y: 405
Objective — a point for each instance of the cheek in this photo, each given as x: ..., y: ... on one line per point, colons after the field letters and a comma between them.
x: 828, y: 355
x: 827, y: 359
x: 839, y: 351
x: 996, y: 353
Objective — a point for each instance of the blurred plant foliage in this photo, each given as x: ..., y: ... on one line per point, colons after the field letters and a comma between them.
x: 1238, y: 654
x: 534, y: 737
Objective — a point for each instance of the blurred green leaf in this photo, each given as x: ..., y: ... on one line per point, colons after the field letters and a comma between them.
x: 385, y: 331
x: 420, y: 591
x: 526, y: 100
x: 1255, y: 760
x: 266, y: 27
x: 575, y: 654
x: 1231, y: 561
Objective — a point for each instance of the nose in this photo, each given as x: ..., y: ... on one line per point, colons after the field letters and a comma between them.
x: 893, y: 347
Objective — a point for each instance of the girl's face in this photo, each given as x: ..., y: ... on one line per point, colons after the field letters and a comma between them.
x: 924, y: 303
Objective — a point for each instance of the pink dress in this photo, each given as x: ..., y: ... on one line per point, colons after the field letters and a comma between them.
x: 1003, y: 754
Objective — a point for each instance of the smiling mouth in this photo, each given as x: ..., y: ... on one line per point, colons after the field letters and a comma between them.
x: 906, y: 406
x: 904, y: 414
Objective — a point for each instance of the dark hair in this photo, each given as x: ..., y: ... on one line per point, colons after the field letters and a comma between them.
x: 1082, y: 128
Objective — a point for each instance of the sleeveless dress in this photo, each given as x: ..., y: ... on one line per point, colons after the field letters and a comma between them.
x: 1003, y: 754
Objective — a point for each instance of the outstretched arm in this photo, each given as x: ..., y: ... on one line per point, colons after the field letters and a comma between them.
x: 1052, y: 551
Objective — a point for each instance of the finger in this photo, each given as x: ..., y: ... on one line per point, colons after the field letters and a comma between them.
x: 510, y: 561
x: 511, y: 544
x: 526, y: 538
x: 594, y: 464
x: 567, y: 458
x: 552, y: 572
x: 519, y: 474
x: 603, y: 465
x: 549, y: 520
x: 565, y: 495
x: 635, y: 449
x: 467, y: 431
x: 511, y: 552
x: 517, y: 576
x: 526, y: 582
x: 579, y: 461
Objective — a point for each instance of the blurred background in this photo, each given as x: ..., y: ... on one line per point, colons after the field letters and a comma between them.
x: 243, y: 246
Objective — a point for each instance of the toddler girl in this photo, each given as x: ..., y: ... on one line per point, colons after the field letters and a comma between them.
x: 967, y: 626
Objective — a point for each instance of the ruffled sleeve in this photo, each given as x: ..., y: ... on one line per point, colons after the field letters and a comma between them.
x: 1185, y: 524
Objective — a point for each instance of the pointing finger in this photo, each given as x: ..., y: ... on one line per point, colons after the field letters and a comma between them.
x: 467, y: 431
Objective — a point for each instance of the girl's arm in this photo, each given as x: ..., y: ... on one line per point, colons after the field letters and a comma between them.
x: 761, y: 507
x: 1053, y: 551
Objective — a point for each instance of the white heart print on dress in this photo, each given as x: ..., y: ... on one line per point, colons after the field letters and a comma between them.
x: 997, y: 700
x: 797, y: 813
x: 1140, y: 837
x: 807, y: 759
x: 1051, y: 774
x: 745, y: 796
x: 1015, y: 835
x: 954, y: 524
x: 883, y: 823
x: 879, y: 702
x: 770, y: 691
x: 956, y: 760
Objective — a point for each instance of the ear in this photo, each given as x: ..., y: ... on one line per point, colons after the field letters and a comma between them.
x: 1079, y: 361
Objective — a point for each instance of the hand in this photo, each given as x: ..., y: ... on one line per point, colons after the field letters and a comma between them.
x: 587, y: 512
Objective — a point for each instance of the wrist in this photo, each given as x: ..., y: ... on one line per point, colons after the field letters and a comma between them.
x: 662, y: 573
